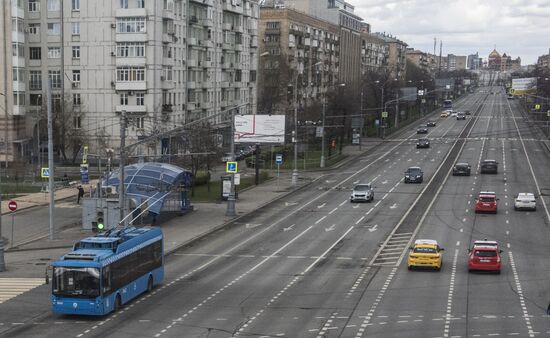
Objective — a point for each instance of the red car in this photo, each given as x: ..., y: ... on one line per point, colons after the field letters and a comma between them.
x: 484, y: 256
x: 486, y: 202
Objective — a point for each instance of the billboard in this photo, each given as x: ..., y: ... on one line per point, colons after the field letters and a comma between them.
x: 407, y: 93
x: 466, y: 82
x: 526, y: 85
x: 445, y: 84
x: 259, y: 128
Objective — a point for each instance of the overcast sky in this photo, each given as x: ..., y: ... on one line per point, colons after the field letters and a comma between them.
x: 517, y: 27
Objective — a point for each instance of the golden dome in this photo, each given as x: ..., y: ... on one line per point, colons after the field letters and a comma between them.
x: 494, y: 54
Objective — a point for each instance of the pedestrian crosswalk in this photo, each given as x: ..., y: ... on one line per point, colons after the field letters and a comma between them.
x: 13, y: 287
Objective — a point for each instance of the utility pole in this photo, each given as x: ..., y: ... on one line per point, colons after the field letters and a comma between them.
x: 396, y: 107
x: 322, y: 164
x: 231, y: 198
x: 4, y: 4
x: 295, y: 171
x: 51, y: 174
x: 121, y: 189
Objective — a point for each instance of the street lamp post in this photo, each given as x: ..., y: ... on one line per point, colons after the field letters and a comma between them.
x: 2, y: 262
x: 295, y: 140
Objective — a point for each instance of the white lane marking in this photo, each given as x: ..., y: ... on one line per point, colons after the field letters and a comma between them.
x: 331, y: 228
x: 373, y: 228
x: 320, y: 219
x: 346, y: 201
x: 450, y: 295
x: 393, y: 206
x: 289, y: 204
x: 355, y: 206
x: 370, y: 210
x: 360, y: 220
x: 333, y: 210
x: 519, y: 292
x: 289, y: 228
x: 321, y: 206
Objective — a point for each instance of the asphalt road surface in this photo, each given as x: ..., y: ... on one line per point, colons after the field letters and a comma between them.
x: 316, y: 265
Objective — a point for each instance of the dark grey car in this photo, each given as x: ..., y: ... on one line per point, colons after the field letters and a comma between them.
x: 489, y: 167
x: 462, y: 169
x: 422, y: 129
x: 423, y: 143
x: 414, y: 175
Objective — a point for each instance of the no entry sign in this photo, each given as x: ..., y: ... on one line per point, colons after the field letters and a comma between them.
x: 12, y: 205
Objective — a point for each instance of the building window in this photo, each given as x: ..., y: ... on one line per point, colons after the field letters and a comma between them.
x: 123, y: 3
x: 167, y: 73
x: 35, y: 99
x: 55, y: 78
x: 140, y: 3
x: 35, y: 80
x: 34, y: 5
x: 75, y: 26
x: 130, y: 49
x: 76, y: 52
x: 18, y: 74
x: 140, y: 123
x: 77, y: 100
x: 18, y: 98
x: 130, y: 25
x: 54, y: 52
x: 53, y: 5
x: 123, y: 99
x: 34, y: 28
x: 76, y: 76
x: 18, y: 49
x: 140, y: 99
x: 75, y: 5
x: 77, y: 122
x: 129, y: 74
x: 54, y: 29
x: 35, y: 53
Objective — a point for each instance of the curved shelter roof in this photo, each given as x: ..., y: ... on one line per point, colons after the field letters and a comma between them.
x: 151, y: 181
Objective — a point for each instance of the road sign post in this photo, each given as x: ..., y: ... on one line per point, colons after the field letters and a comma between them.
x: 278, y: 162
x: 12, y: 205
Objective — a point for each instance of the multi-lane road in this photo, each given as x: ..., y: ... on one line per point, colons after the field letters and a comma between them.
x: 316, y: 265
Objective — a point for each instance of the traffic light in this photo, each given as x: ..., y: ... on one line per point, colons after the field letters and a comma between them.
x: 99, y: 224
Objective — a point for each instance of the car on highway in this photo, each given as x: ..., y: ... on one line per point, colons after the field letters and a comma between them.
x: 423, y: 143
x: 445, y: 113
x: 484, y: 256
x: 462, y: 169
x: 414, y: 175
x: 425, y: 253
x: 525, y: 201
x: 454, y: 113
x: 430, y: 123
x: 422, y: 129
x: 362, y: 192
x: 489, y: 167
x: 460, y: 116
x: 486, y: 201
x: 467, y: 112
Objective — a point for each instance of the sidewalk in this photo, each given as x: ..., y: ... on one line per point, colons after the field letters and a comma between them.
x: 31, y: 260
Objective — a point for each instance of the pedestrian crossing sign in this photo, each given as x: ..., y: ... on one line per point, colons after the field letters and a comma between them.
x: 45, y: 172
x: 231, y: 167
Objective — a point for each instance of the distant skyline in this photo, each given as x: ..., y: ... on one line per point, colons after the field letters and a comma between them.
x: 515, y: 27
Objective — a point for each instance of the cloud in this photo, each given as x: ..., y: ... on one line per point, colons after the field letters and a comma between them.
x: 516, y: 27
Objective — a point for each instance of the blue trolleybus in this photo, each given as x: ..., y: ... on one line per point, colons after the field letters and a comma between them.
x: 447, y: 104
x: 108, y: 270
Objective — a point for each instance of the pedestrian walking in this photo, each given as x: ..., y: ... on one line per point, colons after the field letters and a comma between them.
x: 80, y: 194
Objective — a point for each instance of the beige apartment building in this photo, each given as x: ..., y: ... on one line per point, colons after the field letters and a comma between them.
x: 296, y: 49
x: 374, y: 53
x: 163, y: 63
x: 397, y: 55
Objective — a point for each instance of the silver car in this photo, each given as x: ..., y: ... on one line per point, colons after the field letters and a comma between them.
x: 362, y: 192
x: 525, y: 201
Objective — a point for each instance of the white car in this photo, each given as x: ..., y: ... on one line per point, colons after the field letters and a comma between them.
x: 525, y: 200
x: 454, y: 113
x: 362, y: 192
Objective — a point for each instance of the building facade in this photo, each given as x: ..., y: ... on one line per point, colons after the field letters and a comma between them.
x: 418, y: 58
x: 374, y: 53
x: 296, y: 50
x: 162, y: 63
x: 543, y: 61
x: 474, y: 62
x: 397, y: 55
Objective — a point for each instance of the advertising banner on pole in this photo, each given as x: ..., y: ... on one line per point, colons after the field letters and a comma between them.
x: 526, y: 85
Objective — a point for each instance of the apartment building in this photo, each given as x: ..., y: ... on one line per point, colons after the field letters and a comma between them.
x: 543, y: 61
x: 296, y: 50
x: 474, y: 62
x: 456, y: 62
x: 418, y: 58
x: 163, y: 63
x: 397, y: 55
x: 341, y: 13
x: 374, y: 53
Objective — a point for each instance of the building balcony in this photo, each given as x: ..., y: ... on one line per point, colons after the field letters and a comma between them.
x: 18, y: 37
x: 238, y: 29
x: 130, y: 85
x: 207, y: 84
x: 193, y: 85
x: 205, y: 64
x: 131, y: 12
x: 126, y: 61
x: 192, y: 63
x: 168, y: 61
x: 192, y: 41
x: 18, y: 61
x: 227, y: 65
x: 136, y: 37
x: 207, y: 43
x: 227, y: 6
x: 207, y: 105
x: 19, y: 110
x: 167, y: 108
x: 17, y: 11
x: 18, y: 86
x: 132, y: 109
x: 193, y: 105
x: 207, y: 22
x: 193, y: 20
x: 167, y: 84
x: 224, y: 84
x: 254, y: 43
x: 168, y: 14
x: 227, y: 46
x: 253, y: 31
x: 239, y: 47
x: 227, y: 27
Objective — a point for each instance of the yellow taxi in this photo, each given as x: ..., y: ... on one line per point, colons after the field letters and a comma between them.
x: 445, y: 113
x: 425, y: 253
